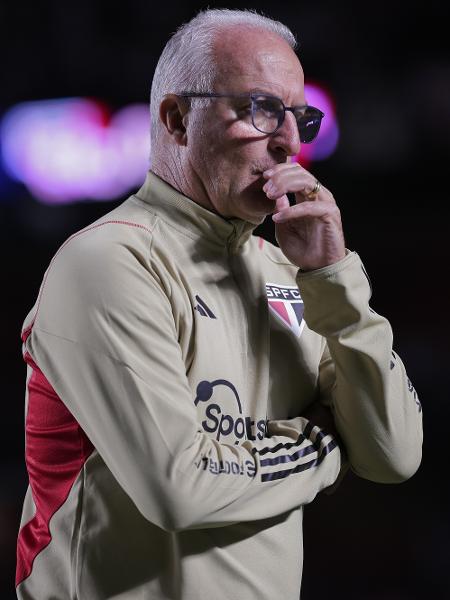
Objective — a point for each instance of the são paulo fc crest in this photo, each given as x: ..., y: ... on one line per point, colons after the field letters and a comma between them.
x: 286, y: 304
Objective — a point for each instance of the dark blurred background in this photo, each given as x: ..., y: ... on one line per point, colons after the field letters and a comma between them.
x: 386, y: 66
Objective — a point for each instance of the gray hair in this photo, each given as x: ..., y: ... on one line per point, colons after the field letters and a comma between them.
x: 187, y: 62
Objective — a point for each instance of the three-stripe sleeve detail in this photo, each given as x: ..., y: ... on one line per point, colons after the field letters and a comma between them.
x: 293, y: 454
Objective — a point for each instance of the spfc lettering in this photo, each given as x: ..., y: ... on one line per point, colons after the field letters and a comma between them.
x: 286, y: 304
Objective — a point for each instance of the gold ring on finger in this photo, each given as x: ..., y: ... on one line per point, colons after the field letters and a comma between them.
x: 314, y: 192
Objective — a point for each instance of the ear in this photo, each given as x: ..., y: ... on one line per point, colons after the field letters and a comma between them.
x: 172, y: 111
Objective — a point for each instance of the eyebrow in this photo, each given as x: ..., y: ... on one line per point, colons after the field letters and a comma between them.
x: 262, y: 91
x: 267, y: 93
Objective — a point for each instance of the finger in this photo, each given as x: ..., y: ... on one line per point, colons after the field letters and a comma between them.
x: 284, y: 167
x: 308, y: 208
x: 313, y: 193
x: 294, y: 181
x: 291, y: 174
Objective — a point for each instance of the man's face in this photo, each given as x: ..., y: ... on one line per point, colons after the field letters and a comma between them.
x: 226, y: 153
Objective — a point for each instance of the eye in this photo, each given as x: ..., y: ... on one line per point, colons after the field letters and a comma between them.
x: 244, y: 109
x: 269, y: 107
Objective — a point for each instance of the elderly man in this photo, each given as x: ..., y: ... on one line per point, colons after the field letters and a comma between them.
x: 173, y: 434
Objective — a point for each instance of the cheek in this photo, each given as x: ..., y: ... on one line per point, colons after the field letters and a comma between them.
x: 243, y: 134
x: 227, y: 147
x: 242, y: 145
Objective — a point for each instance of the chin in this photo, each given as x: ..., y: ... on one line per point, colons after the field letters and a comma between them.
x: 256, y: 207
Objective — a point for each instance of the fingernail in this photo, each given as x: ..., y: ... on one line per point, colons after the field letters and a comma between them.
x: 277, y: 217
x: 269, y: 188
x: 268, y: 173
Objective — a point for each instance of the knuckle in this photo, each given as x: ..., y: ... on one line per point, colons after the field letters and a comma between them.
x: 329, y: 199
x: 336, y: 211
x: 299, y: 167
x: 276, y: 178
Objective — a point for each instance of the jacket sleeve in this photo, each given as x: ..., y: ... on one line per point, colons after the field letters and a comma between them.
x: 105, y: 338
x: 376, y: 409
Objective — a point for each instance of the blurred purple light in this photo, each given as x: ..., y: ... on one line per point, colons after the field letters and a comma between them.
x: 68, y: 150
x: 325, y: 143
x: 63, y: 151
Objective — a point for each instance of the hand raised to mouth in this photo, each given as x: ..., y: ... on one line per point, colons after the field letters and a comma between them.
x: 310, y: 232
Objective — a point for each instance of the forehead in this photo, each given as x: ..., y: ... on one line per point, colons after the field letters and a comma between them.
x: 248, y: 58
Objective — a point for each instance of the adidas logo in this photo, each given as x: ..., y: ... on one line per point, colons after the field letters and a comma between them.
x: 203, y: 309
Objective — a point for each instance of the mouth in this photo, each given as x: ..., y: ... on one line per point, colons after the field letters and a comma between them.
x: 256, y: 189
x: 259, y: 181
x: 260, y: 170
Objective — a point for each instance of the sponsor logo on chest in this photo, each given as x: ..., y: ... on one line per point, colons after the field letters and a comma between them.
x: 286, y: 304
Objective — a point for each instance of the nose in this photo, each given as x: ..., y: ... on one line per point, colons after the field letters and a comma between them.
x: 287, y: 138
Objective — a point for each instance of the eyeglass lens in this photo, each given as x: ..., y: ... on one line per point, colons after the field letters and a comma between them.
x: 268, y: 114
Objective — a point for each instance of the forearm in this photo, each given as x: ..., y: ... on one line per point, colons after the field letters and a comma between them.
x: 106, y: 340
x: 376, y: 410
x: 147, y: 433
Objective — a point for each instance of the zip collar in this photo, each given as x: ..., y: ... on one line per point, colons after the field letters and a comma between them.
x: 174, y: 207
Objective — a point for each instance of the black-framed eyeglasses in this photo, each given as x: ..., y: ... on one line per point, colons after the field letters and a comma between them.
x: 268, y: 113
